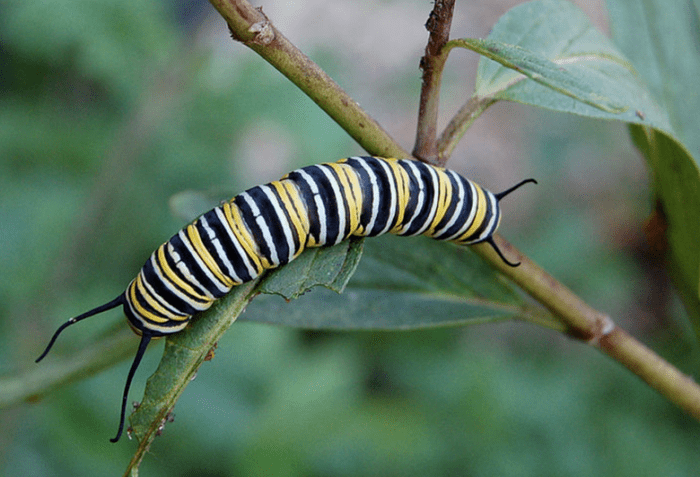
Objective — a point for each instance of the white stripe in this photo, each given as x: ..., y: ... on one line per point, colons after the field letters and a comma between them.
x: 339, y: 201
x: 181, y: 294
x: 321, y: 209
x: 421, y: 196
x: 375, y: 194
x: 217, y: 283
x: 286, y: 227
x: 492, y: 223
x: 252, y: 271
x: 219, y: 250
x: 182, y: 267
x: 436, y: 200
x: 460, y: 203
x: 392, y: 197
x: 260, y: 220
x: 154, y: 326
x: 472, y: 213
x: 170, y: 308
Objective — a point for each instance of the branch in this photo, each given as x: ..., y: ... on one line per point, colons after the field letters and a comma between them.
x: 432, y: 64
x: 583, y: 322
x: 251, y: 27
x: 596, y: 328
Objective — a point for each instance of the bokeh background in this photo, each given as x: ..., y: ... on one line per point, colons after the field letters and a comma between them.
x: 110, y: 109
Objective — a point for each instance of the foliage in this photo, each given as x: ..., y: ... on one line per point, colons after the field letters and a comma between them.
x: 107, y: 111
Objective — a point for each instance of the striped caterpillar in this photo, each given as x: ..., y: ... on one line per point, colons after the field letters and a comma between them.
x: 269, y: 225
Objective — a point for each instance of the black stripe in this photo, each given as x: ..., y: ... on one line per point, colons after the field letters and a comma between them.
x: 483, y: 226
x: 274, y: 223
x: 222, y: 233
x: 296, y: 240
x: 140, y: 302
x: 307, y: 197
x: 430, y: 195
x: 327, y: 196
x: 368, y: 197
x: 462, y: 213
x: 151, y: 277
x: 197, y: 272
x: 250, y: 220
x: 385, y: 212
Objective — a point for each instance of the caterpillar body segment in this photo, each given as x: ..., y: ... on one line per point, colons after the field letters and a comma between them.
x: 269, y: 225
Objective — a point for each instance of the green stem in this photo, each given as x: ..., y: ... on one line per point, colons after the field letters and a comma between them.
x: 596, y: 328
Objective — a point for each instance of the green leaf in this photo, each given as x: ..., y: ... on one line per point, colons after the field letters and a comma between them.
x: 662, y: 39
x: 540, y: 70
x: 559, y: 32
x: 330, y: 267
x: 405, y: 283
x: 183, y: 355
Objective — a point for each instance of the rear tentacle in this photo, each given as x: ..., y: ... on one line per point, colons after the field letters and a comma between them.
x: 145, y: 339
x: 120, y: 300
x: 501, y: 195
x: 491, y: 242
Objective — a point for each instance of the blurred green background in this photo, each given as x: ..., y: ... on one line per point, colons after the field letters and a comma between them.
x: 107, y: 110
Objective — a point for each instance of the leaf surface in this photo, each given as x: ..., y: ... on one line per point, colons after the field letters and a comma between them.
x: 656, y: 93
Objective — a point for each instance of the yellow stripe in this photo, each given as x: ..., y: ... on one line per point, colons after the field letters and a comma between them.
x: 140, y: 310
x: 292, y: 203
x: 350, y: 185
x: 235, y: 222
x: 444, y: 197
x: 152, y: 302
x: 209, y: 261
x: 480, y: 213
x: 401, y: 179
x: 173, y: 278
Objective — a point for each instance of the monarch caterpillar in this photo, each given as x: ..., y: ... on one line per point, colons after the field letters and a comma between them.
x: 269, y: 225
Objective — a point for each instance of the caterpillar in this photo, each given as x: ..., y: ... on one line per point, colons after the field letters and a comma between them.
x: 269, y: 225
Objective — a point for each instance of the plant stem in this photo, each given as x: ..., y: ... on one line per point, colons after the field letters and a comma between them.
x: 583, y: 322
x: 251, y: 27
x: 432, y: 64
x: 596, y: 328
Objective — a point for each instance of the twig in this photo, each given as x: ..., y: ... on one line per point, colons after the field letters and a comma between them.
x: 252, y: 28
x: 432, y: 64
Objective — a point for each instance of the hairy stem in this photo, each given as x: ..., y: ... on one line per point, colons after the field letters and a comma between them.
x: 432, y: 64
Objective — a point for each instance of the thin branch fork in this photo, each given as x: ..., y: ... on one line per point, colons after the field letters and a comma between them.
x: 432, y: 63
